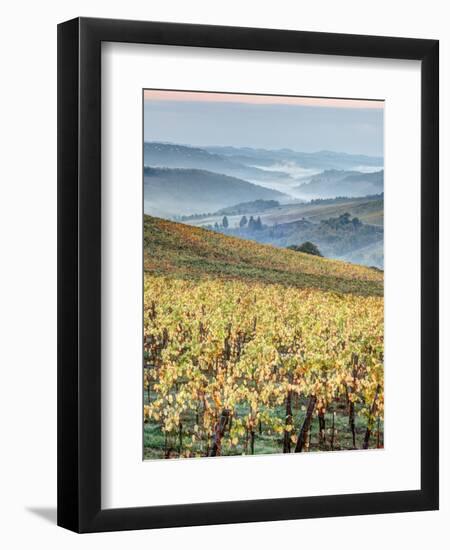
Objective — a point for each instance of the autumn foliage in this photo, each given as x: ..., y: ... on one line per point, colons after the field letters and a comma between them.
x: 236, y: 365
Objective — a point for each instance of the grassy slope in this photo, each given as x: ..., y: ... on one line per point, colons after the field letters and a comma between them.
x: 369, y: 211
x: 185, y: 251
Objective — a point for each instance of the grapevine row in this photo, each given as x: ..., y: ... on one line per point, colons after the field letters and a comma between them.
x: 227, y: 362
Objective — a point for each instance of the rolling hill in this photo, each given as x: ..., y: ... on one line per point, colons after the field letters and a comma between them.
x: 189, y: 252
x: 338, y: 183
x: 367, y: 209
x: 337, y: 237
x: 173, y: 191
x: 171, y: 155
x: 293, y: 224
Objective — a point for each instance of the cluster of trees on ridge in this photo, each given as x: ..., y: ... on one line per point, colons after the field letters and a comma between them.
x: 251, y: 224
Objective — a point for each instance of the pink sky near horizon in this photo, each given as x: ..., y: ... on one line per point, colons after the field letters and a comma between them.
x: 253, y: 99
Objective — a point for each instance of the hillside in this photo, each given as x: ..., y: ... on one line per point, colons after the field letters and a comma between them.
x: 171, y: 155
x: 368, y: 210
x: 372, y: 254
x: 249, y: 207
x: 335, y: 183
x: 189, y: 191
x: 338, y: 237
x: 191, y: 252
x: 292, y: 224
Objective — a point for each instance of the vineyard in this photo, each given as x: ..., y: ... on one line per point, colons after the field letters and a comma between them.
x: 236, y: 362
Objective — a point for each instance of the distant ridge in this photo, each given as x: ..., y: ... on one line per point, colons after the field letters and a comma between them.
x: 172, y: 155
x: 175, y: 191
x: 348, y: 183
x: 319, y: 159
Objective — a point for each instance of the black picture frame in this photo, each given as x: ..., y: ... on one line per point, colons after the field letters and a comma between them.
x: 79, y: 274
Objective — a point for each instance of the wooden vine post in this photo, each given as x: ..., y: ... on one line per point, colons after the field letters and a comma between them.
x: 302, y: 439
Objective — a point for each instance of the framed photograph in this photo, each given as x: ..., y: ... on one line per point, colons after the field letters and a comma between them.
x: 247, y: 276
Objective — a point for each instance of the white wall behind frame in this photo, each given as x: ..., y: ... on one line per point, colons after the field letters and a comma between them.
x: 28, y: 222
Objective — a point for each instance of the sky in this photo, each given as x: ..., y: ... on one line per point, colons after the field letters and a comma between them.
x: 269, y: 122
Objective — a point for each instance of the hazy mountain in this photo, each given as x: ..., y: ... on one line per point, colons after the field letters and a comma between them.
x: 336, y: 183
x: 284, y: 170
x: 173, y: 192
x: 170, y: 155
x: 319, y: 160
